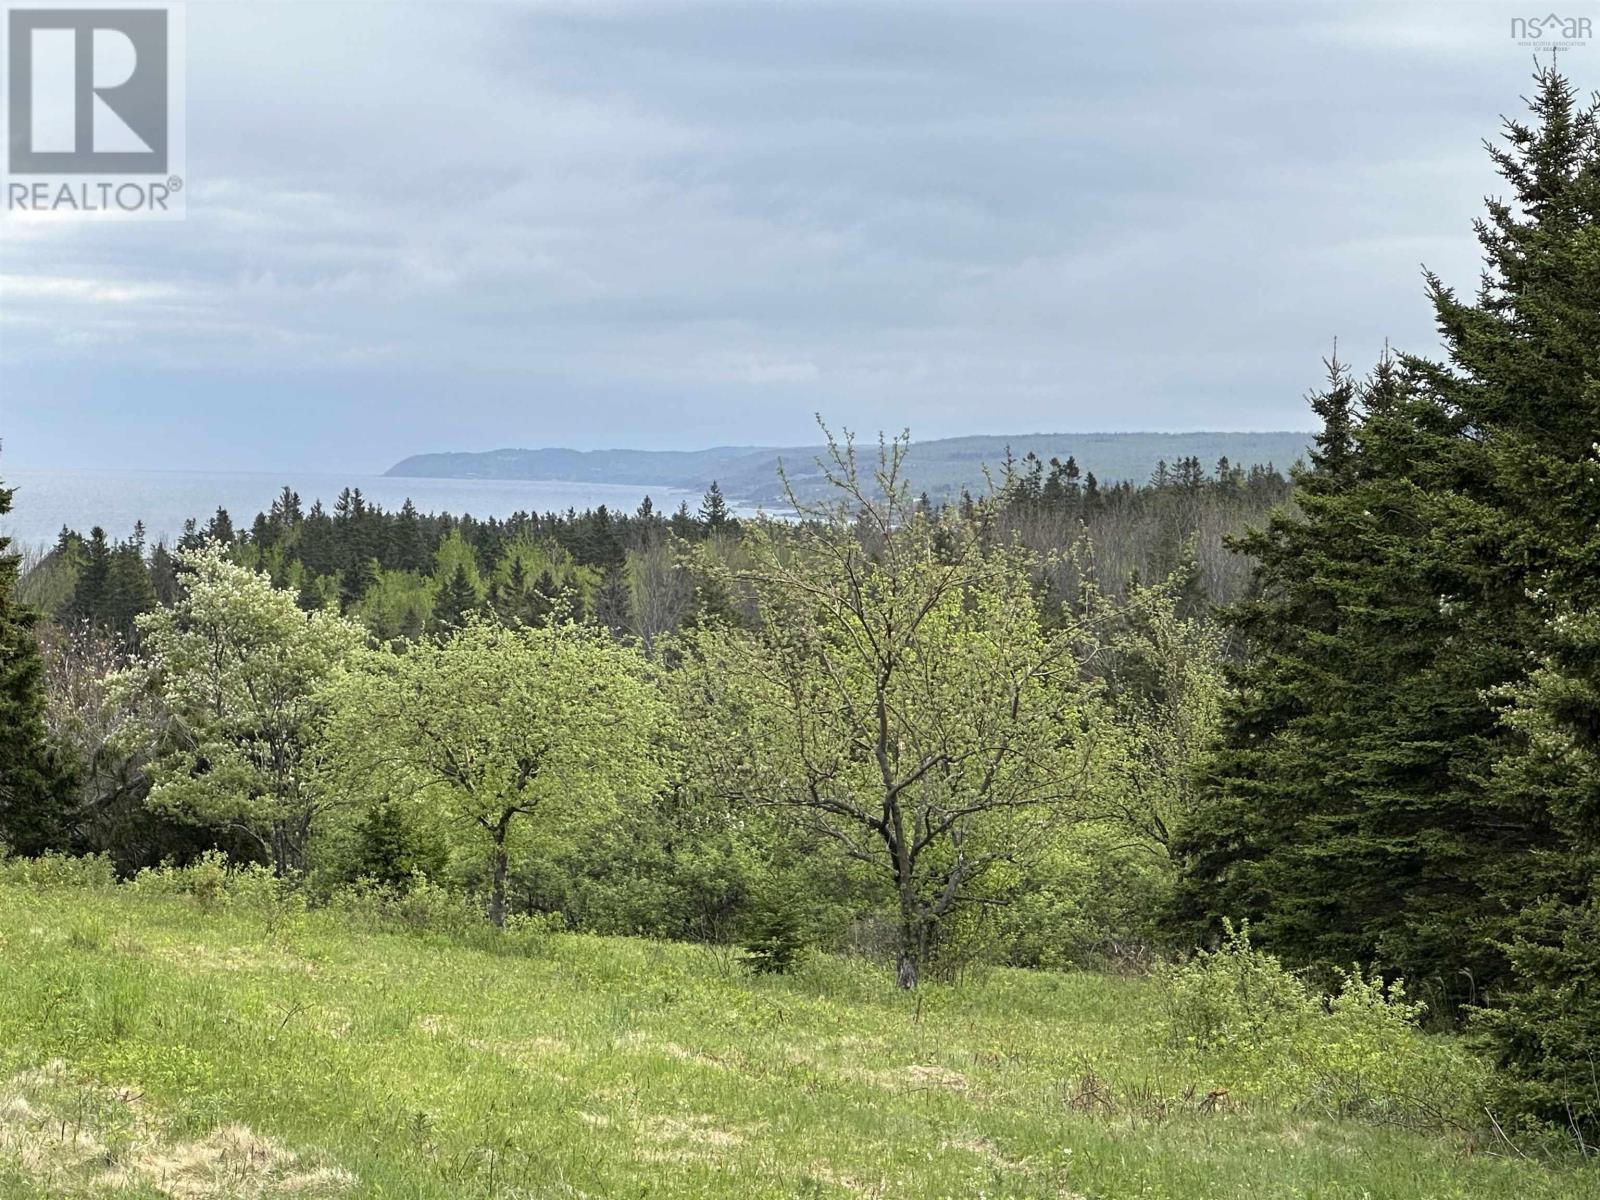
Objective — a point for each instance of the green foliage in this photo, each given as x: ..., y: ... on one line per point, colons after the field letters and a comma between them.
x: 215, y: 883
x: 419, y: 906
x: 397, y: 605
x: 1164, y: 682
x: 1265, y: 1033
x: 236, y: 669
x: 490, y: 725
x: 899, y: 696
x: 775, y: 939
x: 1090, y: 900
x: 1545, y: 1028
x: 34, y: 785
x: 53, y: 869
x: 392, y: 847
x: 1368, y: 802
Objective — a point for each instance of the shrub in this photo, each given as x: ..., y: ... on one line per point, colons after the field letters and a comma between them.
x: 775, y: 941
x: 93, y: 871
x: 1355, y: 1052
x: 214, y: 882
x: 391, y: 847
x: 1088, y: 904
x: 422, y: 906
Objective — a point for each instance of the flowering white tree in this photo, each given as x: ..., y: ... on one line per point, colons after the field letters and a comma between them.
x: 239, y: 671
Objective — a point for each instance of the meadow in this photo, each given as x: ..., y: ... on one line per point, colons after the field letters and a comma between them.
x: 190, y: 1041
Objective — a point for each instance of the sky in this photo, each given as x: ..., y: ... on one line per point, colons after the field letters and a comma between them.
x: 462, y: 226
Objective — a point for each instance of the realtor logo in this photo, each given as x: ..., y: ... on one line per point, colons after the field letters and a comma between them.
x: 88, y: 91
x: 93, y: 109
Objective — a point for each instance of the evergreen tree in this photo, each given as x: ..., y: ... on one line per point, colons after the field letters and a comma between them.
x: 220, y: 528
x: 407, y: 552
x: 130, y: 590
x: 91, y: 596
x: 682, y: 523
x: 1522, y: 379
x: 455, y: 601
x: 714, y: 513
x: 33, y: 786
x: 163, y: 574
x: 1353, y: 811
x: 391, y: 849
x: 1262, y: 782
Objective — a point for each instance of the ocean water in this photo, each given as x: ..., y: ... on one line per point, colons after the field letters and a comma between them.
x: 46, y: 500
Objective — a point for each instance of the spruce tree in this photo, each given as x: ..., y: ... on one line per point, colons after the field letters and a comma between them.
x: 220, y: 528
x: 714, y: 513
x: 1524, y: 376
x: 91, y: 594
x: 1358, y: 807
x: 455, y: 601
x: 1265, y: 783
x: 33, y: 786
x: 130, y: 591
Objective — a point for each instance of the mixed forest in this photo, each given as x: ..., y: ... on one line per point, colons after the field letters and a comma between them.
x: 1328, y: 739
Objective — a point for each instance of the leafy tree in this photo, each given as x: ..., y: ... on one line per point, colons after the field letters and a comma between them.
x: 238, y: 669
x: 397, y: 605
x: 900, y: 697
x: 1163, y: 674
x: 493, y: 724
x: 33, y: 783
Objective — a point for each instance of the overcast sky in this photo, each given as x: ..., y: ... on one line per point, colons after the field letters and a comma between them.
x: 444, y: 226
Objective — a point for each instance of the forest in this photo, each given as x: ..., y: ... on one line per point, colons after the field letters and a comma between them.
x: 1319, y: 750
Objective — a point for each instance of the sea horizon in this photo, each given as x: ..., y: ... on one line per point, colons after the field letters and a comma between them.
x: 48, y: 498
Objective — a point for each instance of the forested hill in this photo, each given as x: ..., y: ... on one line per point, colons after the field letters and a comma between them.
x: 941, y: 468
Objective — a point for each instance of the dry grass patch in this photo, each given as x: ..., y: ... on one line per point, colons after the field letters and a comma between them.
x: 914, y: 1078
x: 70, y: 1137
x: 234, y: 1162
x: 691, y: 1138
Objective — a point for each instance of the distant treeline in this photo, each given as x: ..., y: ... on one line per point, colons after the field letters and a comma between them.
x: 405, y: 573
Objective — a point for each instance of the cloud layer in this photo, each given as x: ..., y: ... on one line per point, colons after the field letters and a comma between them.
x: 458, y: 226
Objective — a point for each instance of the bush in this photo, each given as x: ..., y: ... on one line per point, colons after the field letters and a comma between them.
x: 54, y: 870
x: 421, y: 906
x: 216, y: 883
x: 775, y: 941
x: 1089, y: 904
x: 390, y: 846
x: 1355, y: 1052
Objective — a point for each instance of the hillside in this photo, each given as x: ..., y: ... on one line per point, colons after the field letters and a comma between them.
x: 233, y: 1045
x: 941, y: 467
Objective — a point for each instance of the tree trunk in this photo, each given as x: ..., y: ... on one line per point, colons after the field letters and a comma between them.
x: 497, y: 883
x: 913, y: 944
x: 906, y: 973
x: 280, y: 849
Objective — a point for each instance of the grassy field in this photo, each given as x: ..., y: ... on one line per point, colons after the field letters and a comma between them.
x: 151, y: 1046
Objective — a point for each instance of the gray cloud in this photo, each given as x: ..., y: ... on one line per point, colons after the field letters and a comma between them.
x: 440, y: 226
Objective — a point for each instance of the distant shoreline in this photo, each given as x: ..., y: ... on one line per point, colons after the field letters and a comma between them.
x: 942, y: 467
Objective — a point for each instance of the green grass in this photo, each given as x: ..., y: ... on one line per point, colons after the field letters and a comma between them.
x: 151, y: 1048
